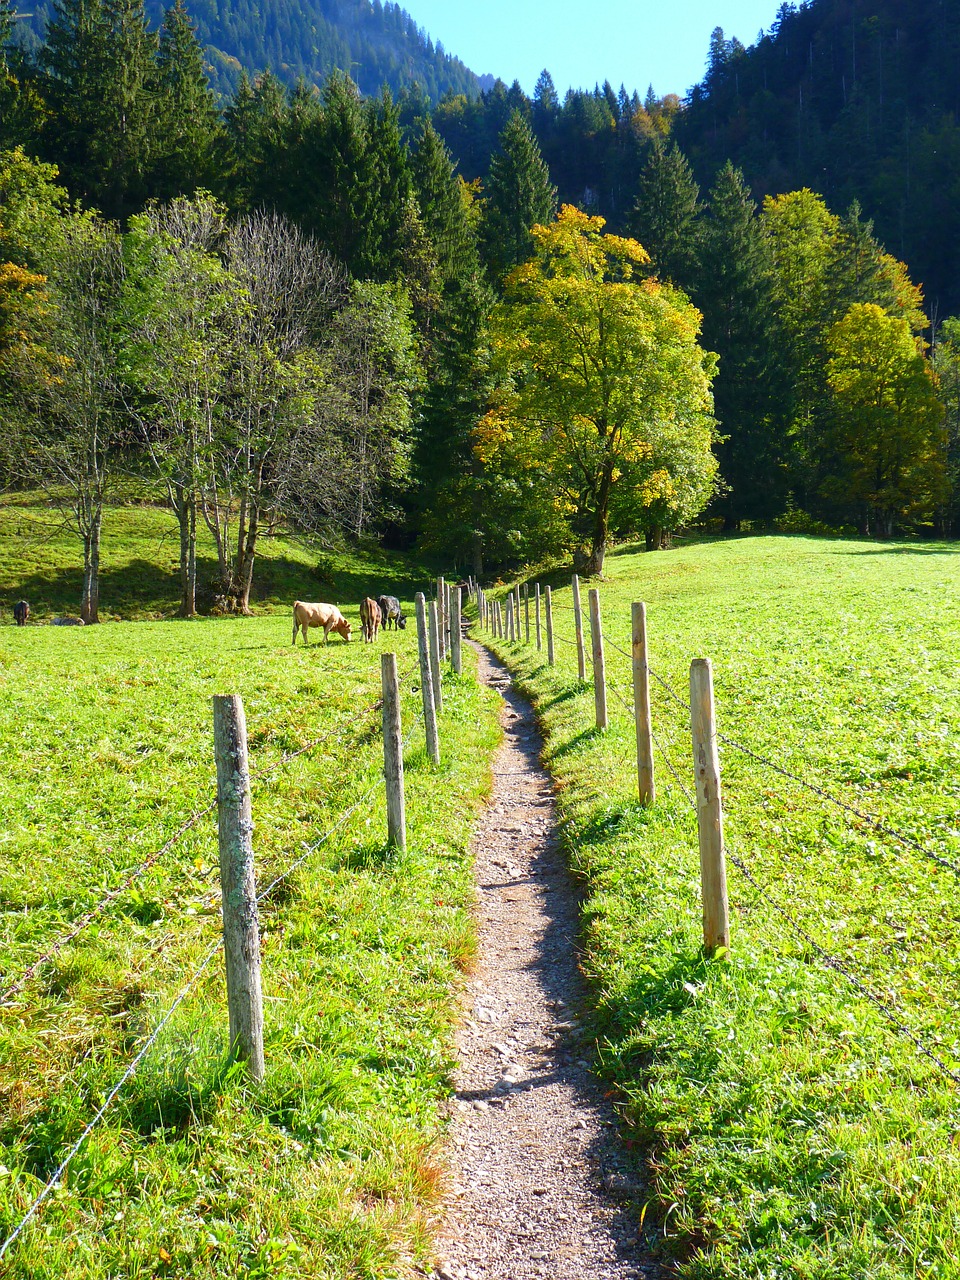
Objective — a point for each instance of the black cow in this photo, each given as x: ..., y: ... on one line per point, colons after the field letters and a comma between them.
x: 21, y: 612
x: 390, y: 611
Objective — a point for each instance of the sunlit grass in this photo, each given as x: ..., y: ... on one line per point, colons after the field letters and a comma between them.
x: 328, y: 1169
x: 792, y: 1131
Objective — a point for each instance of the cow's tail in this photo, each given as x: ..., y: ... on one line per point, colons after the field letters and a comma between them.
x: 296, y: 624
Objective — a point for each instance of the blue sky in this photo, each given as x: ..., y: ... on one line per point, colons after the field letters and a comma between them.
x: 636, y: 42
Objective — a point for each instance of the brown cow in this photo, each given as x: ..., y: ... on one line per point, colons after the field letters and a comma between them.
x: 327, y: 616
x: 369, y: 619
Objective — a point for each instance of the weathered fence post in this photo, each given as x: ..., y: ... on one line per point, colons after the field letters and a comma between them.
x: 526, y: 609
x: 510, y: 615
x: 426, y: 680
x: 499, y: 620
x: 241, y: 929
x: 599, y: 670
x: 456, y: 653
x: 539, y: 639
x: 441, y: 625
x: 706, y: 767
x: 549, y: 627
x: 517, y: 606
x: 578, y: 624
x: 447, y: 625
x: 435, y: 657
x: 393, y: 752
x: 641, y: 705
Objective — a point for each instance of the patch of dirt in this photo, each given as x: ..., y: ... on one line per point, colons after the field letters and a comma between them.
x: 542, y: 1184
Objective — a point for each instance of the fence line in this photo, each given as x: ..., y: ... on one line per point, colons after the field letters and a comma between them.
x: 51, y: 1184
x: 131, y: 1068
x: 828, y: 958
x: 130, y: 879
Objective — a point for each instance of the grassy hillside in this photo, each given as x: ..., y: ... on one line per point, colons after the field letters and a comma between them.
x: 328, y: 1169
x: 793, y: 1130
x: 42, y: 561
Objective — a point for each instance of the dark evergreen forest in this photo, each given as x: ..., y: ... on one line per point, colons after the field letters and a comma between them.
x: 803, y: 199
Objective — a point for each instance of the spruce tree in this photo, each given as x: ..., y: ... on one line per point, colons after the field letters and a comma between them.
x: 442, y: 207
x: 189, y: 127
x: 518, y: 195
x: 664, y: 217
x: 751, y: 397
x: 100, y: 69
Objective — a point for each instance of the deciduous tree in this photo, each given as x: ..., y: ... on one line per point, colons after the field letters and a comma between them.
x: 601, y: 379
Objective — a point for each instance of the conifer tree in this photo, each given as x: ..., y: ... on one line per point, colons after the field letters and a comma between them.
x: 518, y: 195
x: 735, y: 293
x: 442, y: 207
x: 665, y: 215
x: 189, y: 125
x: 100, y: 69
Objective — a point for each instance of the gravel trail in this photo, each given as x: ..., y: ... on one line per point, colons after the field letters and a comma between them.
x: 542, y: 1185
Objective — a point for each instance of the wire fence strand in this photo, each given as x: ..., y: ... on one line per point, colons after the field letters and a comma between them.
x: 838, y: 966
x: 58, y: 1173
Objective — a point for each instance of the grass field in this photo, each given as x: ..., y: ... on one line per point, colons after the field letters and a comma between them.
x: 42, y: 561
x: 792, y: 1130
x: 329, y: 1169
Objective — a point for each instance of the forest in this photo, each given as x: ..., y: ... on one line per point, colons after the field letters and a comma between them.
x: 358, y: 313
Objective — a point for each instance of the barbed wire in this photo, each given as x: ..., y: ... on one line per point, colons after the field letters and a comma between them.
x: 89, y: 916
x: 677, y: 778
x: 876, y: 823
x: 87, y: 919
x: 838, y: 966
x: 51, y: 1184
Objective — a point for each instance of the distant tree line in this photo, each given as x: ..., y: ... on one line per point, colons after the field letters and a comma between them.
x: 290, y: 305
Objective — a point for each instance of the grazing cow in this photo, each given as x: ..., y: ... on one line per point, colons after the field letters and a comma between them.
x: 390, y: 611
x: 369, y: 619
x: 21, y: 612
x: 327, y: 616
x: 68, y: 622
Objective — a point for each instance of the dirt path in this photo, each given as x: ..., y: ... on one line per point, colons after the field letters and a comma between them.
x: 542, y: 1184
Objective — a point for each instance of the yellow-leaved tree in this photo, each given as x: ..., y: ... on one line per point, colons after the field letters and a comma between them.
x: 602, y: 393
x: 888, y: 424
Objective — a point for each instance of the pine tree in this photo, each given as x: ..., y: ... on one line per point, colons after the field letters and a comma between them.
x: 442, y: 207
x: 101, y: 91
x: 664, y: 217
x: 189, y: 123
x: 519, y: 194
x: 735, y: 293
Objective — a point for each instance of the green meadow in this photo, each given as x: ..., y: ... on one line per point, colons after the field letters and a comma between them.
x: 791, y: 1129
x: 331, y: 1167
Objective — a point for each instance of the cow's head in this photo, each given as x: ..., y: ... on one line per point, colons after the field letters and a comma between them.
x: 402, y: 622
x: 343, y: 627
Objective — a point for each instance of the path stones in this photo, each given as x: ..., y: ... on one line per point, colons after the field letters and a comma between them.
x: 544, y: 1187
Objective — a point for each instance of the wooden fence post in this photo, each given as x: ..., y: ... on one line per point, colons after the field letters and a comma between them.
x: 435, y: 657
x: 539, y: 639
x: 499, y: 620
x: 426, y: 680
x: 517, y: 608
x: 510, y: 615
x: 456, y: 653
x: 599, y: 670
x: 241, y: 929
x: 393, y: 752
x: 578, y: 624
x: 706, y: 767
x: 549, y: 627
x: 641, y: 705
x: 447, y: 624
x: 526, y: 609
x: 441, y: 625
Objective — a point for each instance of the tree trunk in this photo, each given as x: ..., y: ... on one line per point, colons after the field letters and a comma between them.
x: 90, y: 604
x: 477, y: 546
x: 653, y: 537
x: 185, y: 505
x: 245, y: 567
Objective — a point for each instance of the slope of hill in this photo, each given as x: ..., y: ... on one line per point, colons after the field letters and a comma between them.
x: 378, y: 44
x: 856, y: 99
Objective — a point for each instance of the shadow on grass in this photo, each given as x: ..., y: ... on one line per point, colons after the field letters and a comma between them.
x: 572, y: 744
x: 141, y: 587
